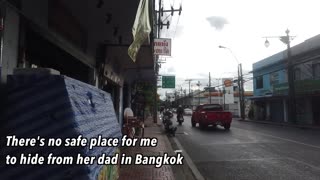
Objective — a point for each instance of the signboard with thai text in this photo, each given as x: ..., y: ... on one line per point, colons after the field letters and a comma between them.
x: 162, y: 47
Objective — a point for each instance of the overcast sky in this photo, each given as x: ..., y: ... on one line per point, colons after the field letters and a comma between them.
x: 238, y: 25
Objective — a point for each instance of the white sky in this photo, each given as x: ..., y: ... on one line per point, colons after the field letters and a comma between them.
x: 195, y: 42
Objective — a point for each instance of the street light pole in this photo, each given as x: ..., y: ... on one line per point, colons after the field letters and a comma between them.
x: 199, y: 91
x: 240, y: 84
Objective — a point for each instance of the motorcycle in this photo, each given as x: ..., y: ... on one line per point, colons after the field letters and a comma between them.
x: 180, y: 119
x: 167, y: 122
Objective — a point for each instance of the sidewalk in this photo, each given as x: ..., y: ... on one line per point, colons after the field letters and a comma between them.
x: 283, y: 124
x: 149, y: 172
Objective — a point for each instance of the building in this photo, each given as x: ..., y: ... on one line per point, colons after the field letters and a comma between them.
x: 217, y: 97
x: 85, y: 40
x: 271, y: 84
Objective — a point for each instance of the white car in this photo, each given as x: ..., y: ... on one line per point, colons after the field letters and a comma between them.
x: 187, y: 111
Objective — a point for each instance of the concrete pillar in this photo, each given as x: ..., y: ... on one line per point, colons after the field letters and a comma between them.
x: 10, y: 43
x: 268, y: 113
x: 129, y: 95
x: 309, y: 113
x: 285, y: 110
x: 120, y: 104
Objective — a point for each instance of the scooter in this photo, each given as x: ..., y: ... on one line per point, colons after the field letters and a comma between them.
x: 167, y: 122
x: 180, y: 119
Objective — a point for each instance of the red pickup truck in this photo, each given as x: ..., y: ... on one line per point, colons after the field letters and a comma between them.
x: 211, y: 114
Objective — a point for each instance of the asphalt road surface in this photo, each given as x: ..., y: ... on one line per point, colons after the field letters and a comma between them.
x: 252, y: 151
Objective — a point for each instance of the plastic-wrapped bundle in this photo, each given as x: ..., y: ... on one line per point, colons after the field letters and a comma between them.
x: 54, y: 106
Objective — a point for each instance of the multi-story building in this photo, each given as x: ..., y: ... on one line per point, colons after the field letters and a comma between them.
x: 271, y: 84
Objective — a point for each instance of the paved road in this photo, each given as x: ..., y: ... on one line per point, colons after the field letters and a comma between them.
x: 252, y: 151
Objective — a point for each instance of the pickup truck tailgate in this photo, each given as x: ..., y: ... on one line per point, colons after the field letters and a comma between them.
x: 218, y: 115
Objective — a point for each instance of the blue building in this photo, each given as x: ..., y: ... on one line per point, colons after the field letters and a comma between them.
x: 271, y: 84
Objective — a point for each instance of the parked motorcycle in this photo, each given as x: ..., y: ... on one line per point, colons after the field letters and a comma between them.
x: 180, y: 119
x: 167, y: 122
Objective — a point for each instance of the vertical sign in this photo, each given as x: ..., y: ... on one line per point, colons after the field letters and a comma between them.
x: 228, y: 86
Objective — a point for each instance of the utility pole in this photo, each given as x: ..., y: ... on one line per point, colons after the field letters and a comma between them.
x: 159, y: 26
x: 292, y: 101
x: 209, y: 88
x: 189, y: 80
x: 199, y: 91
x: 160, y: 12
x: 241, y: 92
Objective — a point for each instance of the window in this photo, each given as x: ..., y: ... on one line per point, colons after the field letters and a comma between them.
x: 316, y: 71
x: 212, y: 107
x: 285, y: 75
x: 297, y: 74
x: 259, y: 82
x: 274, y: 78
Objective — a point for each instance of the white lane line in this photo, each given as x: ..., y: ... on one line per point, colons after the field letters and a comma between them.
x: 185, y: 133
x: 304, y: 163
x: 250, y: 159
x: 193, y: 167
x: 284, y: 139
x: 236, y: 143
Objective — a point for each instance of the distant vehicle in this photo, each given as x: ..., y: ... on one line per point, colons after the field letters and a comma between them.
x: 211, y: 114
x: 187, y: 111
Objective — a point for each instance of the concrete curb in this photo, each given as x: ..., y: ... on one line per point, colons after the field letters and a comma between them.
x: 282, y: 124
x: 194, y: 170
x: 177, y: 171
x: 189, y: 162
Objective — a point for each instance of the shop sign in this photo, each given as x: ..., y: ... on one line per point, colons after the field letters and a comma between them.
x: 228, y: 90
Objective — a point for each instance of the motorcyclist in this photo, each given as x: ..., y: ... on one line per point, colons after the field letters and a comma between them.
x: 179, y: 112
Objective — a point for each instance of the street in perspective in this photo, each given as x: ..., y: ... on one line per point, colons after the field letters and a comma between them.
x: 252, y: 151
x: 160, y: 90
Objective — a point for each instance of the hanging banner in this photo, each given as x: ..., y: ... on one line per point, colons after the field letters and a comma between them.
x: 162, y: 47
x: 141, y: 29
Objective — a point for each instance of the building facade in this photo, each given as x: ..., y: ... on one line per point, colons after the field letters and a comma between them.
x: 203, y: 97
x: 84, y: 40
x: 271, y: 84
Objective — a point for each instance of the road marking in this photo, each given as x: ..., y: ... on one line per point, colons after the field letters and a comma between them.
x: 250, y: 159
x: 284, y: 139
x: 178, y: 151
x: 306, y: 164
x: 186, y: 133
x: 264, y: 159
x: 234, y: 143
x: 193, y: 167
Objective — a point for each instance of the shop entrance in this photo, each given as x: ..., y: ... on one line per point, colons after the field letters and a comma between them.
x: 43, y: 53
x: 315, y: 110
x: 113, y: 89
